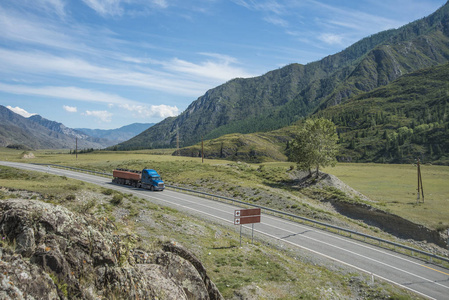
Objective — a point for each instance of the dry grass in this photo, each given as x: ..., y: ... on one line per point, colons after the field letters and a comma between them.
x: 395, y: 188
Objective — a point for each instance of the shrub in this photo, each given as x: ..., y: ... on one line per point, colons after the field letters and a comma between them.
x: 108, y: 192
x: 117, y: 199
x: 70, y: 197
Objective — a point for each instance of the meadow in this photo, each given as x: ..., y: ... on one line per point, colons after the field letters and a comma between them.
x: 392, y: 187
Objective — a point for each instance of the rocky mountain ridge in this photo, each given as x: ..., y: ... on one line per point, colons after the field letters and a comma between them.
x: 16, y: 130
x: 37, y: 132
x: 59, y: 127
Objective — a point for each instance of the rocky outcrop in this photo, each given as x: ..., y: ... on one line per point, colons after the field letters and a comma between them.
x: 49, y: 252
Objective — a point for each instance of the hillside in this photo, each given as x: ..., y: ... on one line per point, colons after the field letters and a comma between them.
x: 397, y: 123
x: 250, y: 147
x: 39, y: 133
x: 281, y: 97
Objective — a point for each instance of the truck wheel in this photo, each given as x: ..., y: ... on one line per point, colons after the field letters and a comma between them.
x: 152, y: 188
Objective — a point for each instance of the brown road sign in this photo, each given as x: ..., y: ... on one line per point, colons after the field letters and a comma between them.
x: 247, y: 216
x: 247, y: 220
x: 247, y: 212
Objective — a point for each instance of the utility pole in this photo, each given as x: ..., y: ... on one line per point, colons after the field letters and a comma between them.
x: 420, y: 187
x: 177, y: 139
x: 76, y: 148
x: 202, y: 149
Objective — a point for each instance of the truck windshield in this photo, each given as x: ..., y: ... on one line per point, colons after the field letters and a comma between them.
x: 156, y: 177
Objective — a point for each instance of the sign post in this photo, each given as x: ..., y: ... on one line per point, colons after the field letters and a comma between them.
x: 247, y: 216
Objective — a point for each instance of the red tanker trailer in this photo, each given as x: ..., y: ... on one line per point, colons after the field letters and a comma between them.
x: 147, y: 179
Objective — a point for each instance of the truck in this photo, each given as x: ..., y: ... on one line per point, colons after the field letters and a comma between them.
x: 146, y: 179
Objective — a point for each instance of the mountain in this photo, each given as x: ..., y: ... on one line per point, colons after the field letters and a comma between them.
x: 397, y: 123
x: 38, y: 133
x: 283, y: 96
x: 74, y: 133
x: 117, y: 135
x: 61, y: 128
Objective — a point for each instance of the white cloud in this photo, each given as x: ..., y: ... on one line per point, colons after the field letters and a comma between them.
x: 113, y: 8
x: 51, y: 34
x: 269, y: 6
x: 72, y: 93
x: 48, y: 7
x: 14, y: 27
x: 105, y: 7
x: 40, y: 63
x: 276, y: 21
x: 160, y: 3
x: 102, y: 115
x: 220, y: 69
x: 181, y: 77
x: 56, y: 6
x: 354, y: 19
x: 20, y: 111
x: 161, y: 111
x: 331, y: 39
x: 71, y: 109
x: 164, y: 111
x: 97, y: 63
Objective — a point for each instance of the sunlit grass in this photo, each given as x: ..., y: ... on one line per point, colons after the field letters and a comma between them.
x: 395, y: 188
x: 392, y: 186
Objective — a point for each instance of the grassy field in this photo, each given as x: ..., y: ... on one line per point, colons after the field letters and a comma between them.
x: 394, y: 187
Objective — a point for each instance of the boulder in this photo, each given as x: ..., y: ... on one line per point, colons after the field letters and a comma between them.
x: 49, y: 252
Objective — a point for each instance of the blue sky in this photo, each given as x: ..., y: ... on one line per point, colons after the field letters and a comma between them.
x: 109, y: 63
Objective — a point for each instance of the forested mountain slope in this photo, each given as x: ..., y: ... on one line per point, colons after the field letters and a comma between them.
x: 398, y: 123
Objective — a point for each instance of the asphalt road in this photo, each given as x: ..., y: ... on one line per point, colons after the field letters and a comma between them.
x: 413, y: 274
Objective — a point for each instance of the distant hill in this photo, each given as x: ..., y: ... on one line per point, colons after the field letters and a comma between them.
x: 283, y: 96
x: 38, y: 133
x: 99, y: 143
x: 117, y: 135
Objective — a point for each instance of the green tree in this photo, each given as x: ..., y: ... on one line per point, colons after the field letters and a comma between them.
x: 315, y: 145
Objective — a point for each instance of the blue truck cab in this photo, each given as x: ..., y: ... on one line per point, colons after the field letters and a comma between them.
x: 152, y: 180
